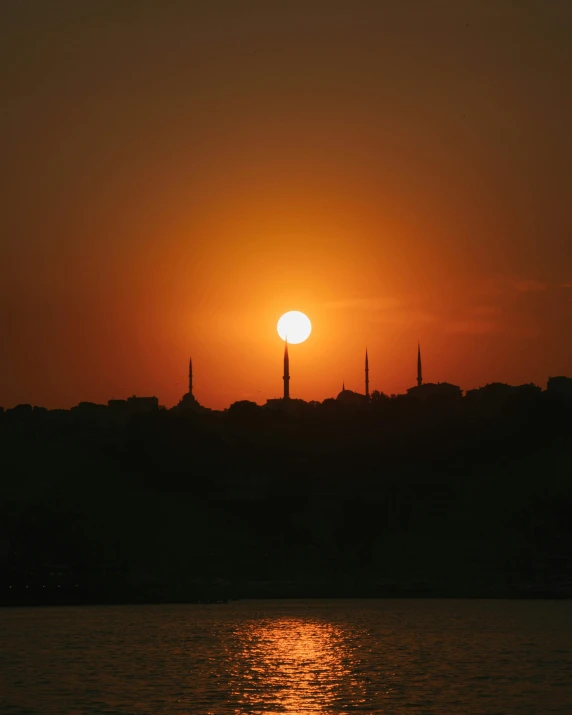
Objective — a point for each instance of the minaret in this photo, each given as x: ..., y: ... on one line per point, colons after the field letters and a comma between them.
x: 190, y: 376
x: 286, y: 377
x: 419, y: 370
x: 366, y: 376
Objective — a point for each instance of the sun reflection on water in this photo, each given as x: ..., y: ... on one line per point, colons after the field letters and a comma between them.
x: 291, y: 665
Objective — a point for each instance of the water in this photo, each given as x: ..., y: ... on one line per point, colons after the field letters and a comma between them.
x: 378, y: 656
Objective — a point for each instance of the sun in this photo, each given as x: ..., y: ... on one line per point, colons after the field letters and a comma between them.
x: 295, y: 327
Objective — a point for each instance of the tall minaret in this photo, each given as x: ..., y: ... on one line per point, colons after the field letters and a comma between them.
x: 190, y: 376
x: 419, y: 370
x: 366, y: 375
x: 286, y: 377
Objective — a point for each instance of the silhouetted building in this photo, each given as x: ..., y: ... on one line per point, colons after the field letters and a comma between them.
x: 423, y: 391
x: 493, y: 399
x: 189, y: 401
x: 286, y: 376
x: 435, y: 389
x: 143, y: 404
x: 351, y: 398
x: 132, y: 406
x: 492, y: 393
x: 528, y: 389
x: 117, y: 406
x: 560, y: 387
x: 244, y: 411
x: 190, y: 376
x: 20, y: 412
x: 275, y: 403
x: 291, y: 405
x: 495, y: 394
x: 89, y: 409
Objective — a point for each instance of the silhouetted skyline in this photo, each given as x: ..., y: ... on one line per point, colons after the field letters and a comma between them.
x: 423, y: 494
x: 556, y: 385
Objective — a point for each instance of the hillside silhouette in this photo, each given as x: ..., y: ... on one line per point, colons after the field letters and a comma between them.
x: 461, y: 497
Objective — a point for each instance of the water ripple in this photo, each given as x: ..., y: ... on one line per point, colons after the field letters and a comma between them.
x: 297, y: 657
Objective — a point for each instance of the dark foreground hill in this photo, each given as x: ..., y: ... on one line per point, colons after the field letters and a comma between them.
x: 179, y: 507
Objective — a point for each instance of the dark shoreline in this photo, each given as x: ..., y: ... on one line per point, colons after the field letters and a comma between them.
x: 34, y: 597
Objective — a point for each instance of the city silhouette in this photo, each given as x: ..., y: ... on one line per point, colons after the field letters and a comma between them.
x: 431, y: 492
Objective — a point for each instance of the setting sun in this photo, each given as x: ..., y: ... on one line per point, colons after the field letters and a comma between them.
x: 294, y: 326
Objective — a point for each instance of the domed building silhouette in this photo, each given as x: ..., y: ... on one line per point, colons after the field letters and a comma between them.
x: 424, y: 390
x: 189, y: 401
x: 356, y: 399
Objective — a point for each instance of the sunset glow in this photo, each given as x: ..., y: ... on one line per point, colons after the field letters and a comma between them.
x: 179, y: 207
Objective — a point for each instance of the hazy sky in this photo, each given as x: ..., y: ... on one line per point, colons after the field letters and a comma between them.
x: 177, y: 174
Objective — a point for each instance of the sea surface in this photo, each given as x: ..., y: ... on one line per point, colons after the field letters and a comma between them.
x: 370, y: 656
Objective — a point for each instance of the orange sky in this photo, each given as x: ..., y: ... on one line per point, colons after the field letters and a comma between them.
x: 177, y: 175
